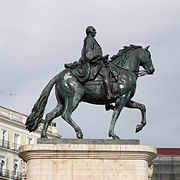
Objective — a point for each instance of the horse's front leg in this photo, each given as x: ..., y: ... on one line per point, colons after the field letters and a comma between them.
x: 142, y: 108
x: 120, y: 102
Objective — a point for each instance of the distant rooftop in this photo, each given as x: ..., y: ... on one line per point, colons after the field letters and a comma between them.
x: 14, y: 115
x: 168, y: 151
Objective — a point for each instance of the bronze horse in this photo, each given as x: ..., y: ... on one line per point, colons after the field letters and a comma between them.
x: 69, y: 91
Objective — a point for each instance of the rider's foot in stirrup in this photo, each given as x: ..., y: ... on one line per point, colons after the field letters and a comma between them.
x: 109, y: 107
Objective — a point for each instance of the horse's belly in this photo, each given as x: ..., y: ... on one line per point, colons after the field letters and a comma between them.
x: 94, y: 92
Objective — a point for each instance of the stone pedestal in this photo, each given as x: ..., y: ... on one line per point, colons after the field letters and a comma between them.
x: 87, y: 160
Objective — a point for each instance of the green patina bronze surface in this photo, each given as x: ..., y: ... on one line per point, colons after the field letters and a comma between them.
x: 94, y: 79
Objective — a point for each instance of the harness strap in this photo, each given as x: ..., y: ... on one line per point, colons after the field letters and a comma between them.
x: 139, y: 73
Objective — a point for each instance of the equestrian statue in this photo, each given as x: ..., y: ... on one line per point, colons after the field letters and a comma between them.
x: 95, y: 79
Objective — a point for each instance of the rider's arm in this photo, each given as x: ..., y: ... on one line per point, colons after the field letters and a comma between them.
x: 89, y: 49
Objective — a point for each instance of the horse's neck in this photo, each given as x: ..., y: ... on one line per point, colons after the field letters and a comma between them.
x: 131, y: 63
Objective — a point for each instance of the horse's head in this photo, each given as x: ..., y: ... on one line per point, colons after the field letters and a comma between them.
x: 145, y: 60
x: 131, y: 57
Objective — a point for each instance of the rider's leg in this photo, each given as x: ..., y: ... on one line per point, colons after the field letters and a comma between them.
x: 107, y: 84
x: 105, y: 75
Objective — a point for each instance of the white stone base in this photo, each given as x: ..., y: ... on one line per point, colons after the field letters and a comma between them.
x: 87, y: 161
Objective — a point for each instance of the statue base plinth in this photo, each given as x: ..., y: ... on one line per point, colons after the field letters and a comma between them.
x: 70, y: 160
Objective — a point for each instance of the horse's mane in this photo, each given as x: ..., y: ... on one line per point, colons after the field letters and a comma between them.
x: 123, y: 54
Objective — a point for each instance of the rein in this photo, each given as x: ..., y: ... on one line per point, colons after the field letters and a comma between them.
x: 139, y: 73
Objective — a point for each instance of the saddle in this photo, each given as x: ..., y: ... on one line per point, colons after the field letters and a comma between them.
x: 80, y: 72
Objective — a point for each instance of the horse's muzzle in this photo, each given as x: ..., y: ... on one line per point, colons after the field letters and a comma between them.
x: 150, y: 71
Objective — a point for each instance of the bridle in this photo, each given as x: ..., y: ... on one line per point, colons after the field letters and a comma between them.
x: 139, y: 73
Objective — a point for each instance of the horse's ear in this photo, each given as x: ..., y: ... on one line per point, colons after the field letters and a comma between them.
x: 147, y: 47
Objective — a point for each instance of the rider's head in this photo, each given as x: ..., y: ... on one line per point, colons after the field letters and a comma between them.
x: 91, y: 30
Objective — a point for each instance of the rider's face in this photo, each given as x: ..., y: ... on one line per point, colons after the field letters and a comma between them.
x: 93, y: 33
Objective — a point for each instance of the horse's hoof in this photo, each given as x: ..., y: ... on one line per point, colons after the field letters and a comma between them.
x: 115, y: 137
x: 139, y: 127
x: 79, y: 135
x: 44, y: 136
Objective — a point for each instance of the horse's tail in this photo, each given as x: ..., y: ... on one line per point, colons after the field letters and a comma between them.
x: 37, y: 112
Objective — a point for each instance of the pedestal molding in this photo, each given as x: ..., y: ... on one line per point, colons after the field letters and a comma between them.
x: 75, y: 151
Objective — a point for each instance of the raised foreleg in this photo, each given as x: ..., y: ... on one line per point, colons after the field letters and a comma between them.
x: 142, y: 108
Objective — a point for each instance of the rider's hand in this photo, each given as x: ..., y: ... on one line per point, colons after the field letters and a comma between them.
x: 94, y: 58
x: 106, y: 57
x: 98, y: 58
x: 113, y: 57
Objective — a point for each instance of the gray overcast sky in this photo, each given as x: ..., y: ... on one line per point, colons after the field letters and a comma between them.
x: 38, y: 36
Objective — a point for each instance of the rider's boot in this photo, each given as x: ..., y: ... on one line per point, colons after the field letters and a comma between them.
x: 109, y: 94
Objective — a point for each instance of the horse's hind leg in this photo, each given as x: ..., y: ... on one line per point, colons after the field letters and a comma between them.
x: 71, y: 103
x: 142, y: 108
x: 57, y: 111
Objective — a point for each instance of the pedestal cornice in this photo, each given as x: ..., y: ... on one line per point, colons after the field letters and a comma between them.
x: 87, y: 151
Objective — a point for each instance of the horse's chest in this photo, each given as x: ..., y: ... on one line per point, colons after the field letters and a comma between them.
x: 126, y: 81
x: 124, y: 84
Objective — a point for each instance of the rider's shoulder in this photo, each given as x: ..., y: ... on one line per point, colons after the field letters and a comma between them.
x: 89, y: 38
